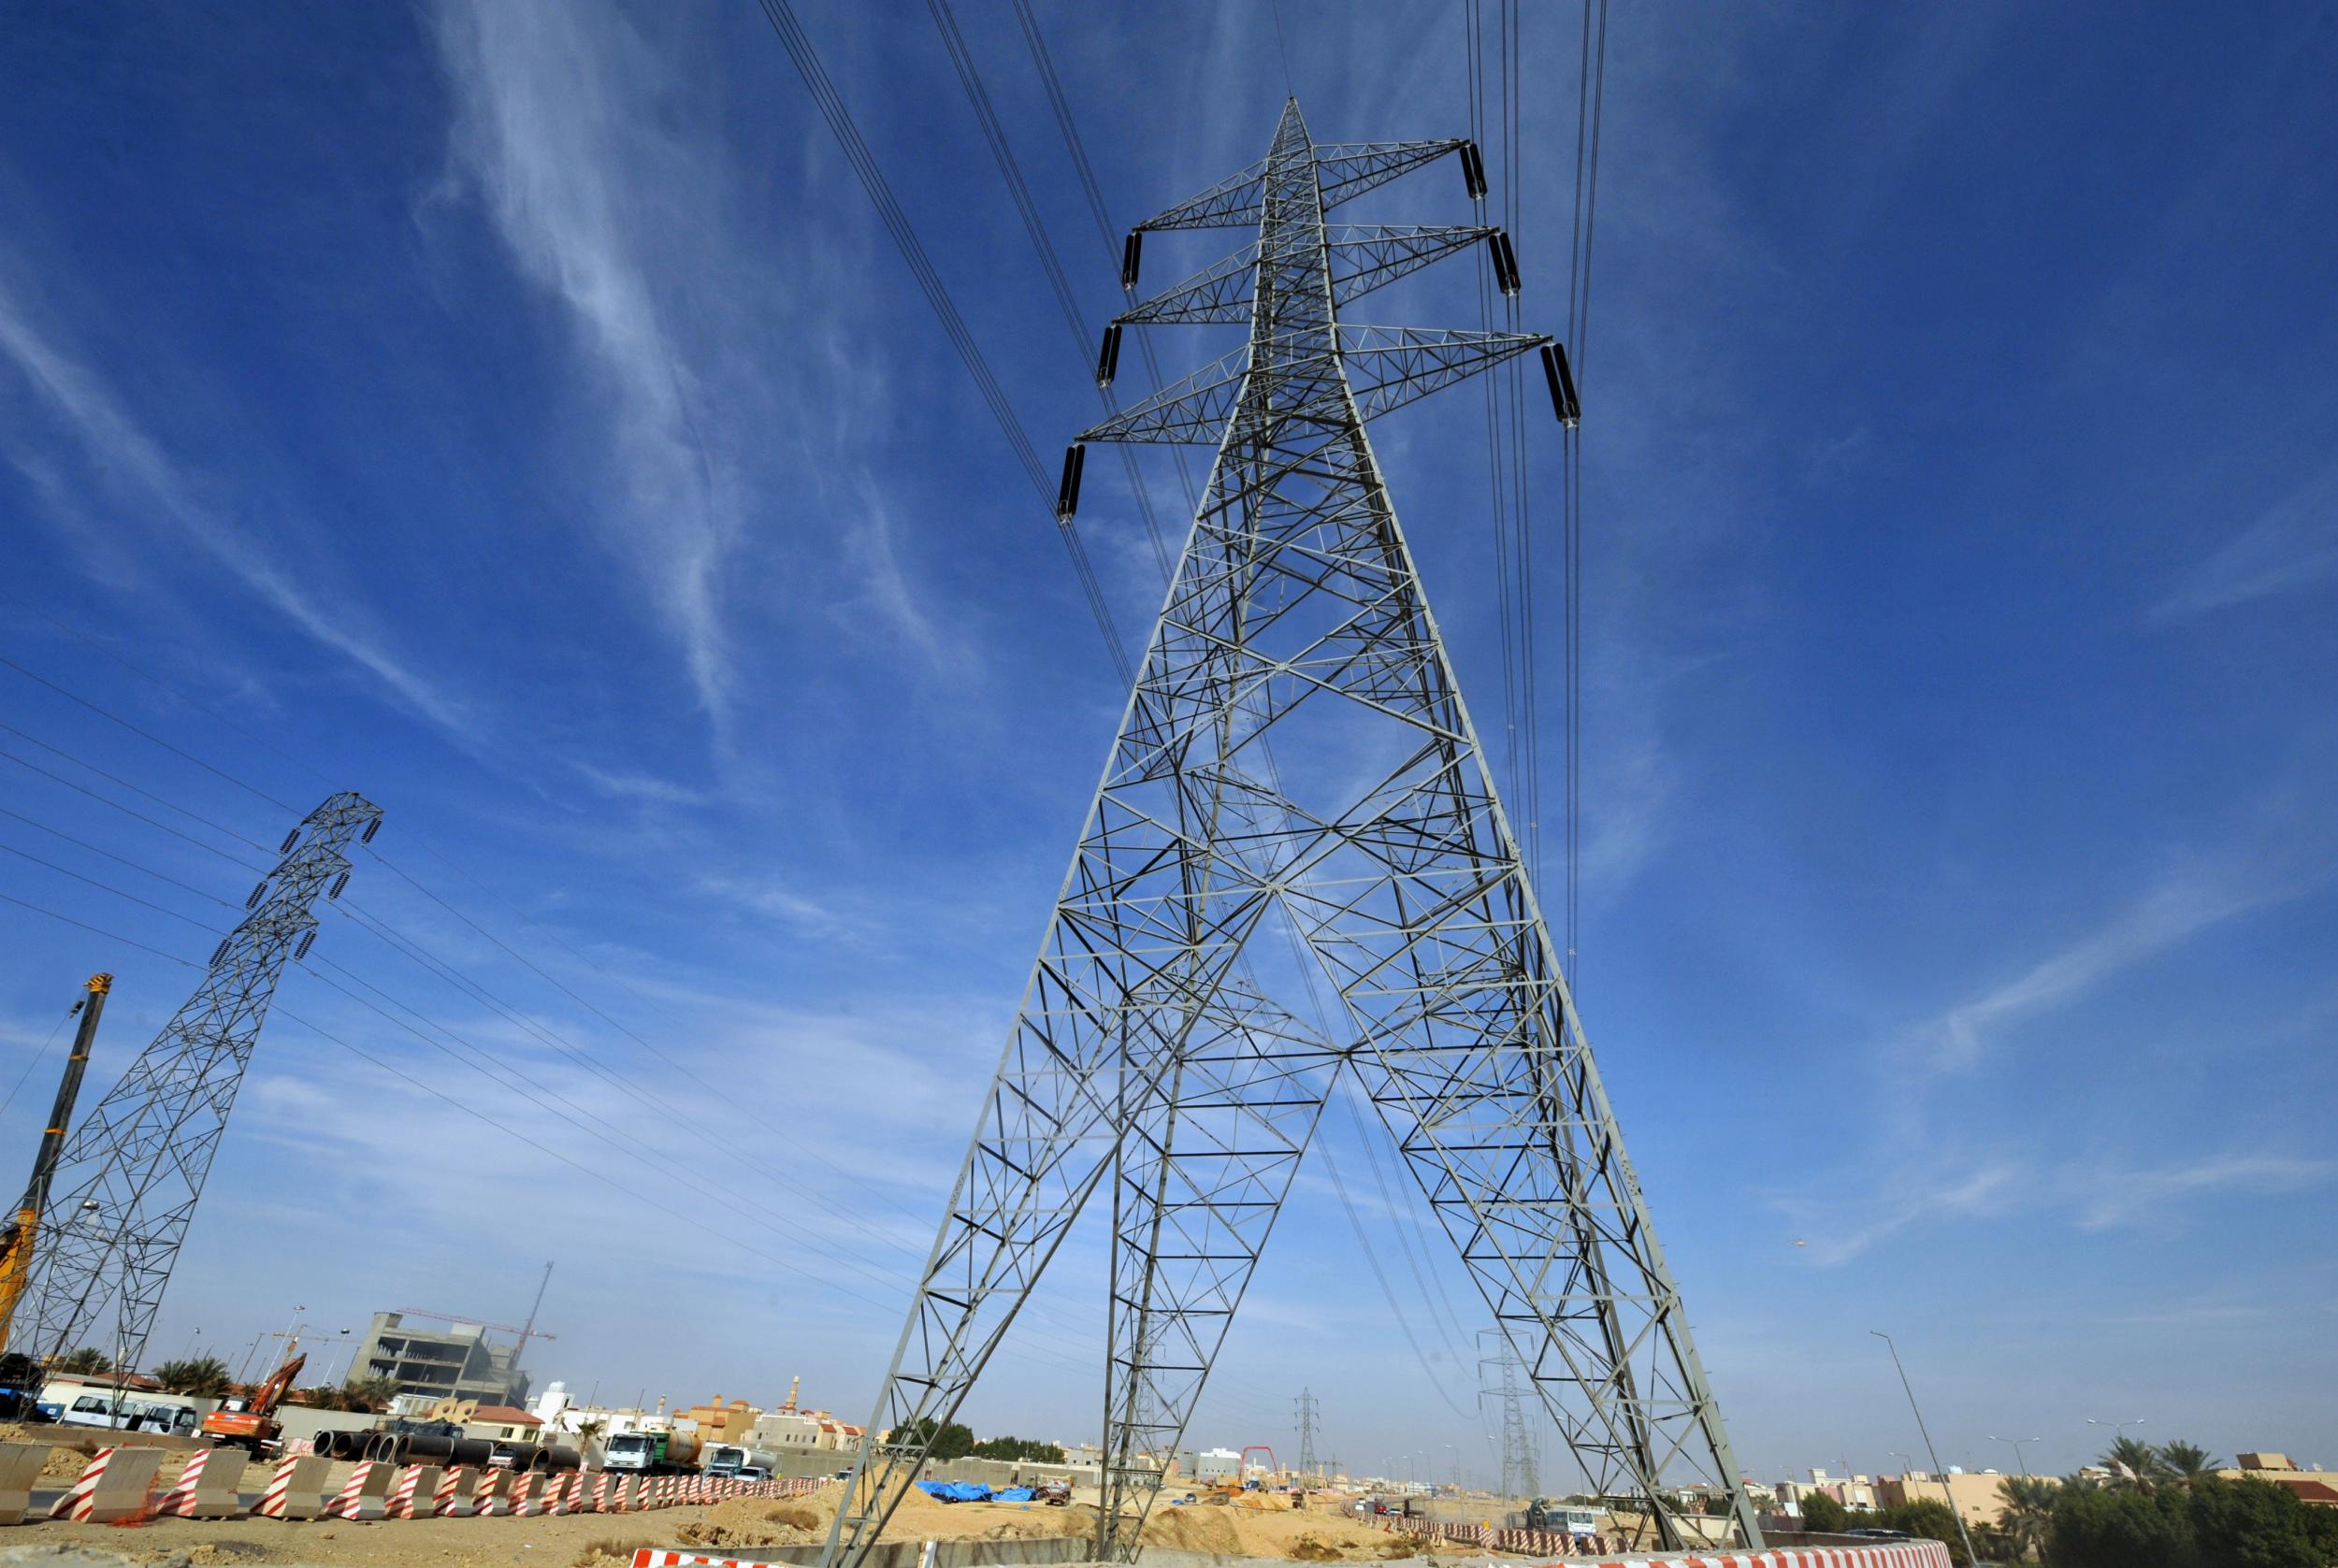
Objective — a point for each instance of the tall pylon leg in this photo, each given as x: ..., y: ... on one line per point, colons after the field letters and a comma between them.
x: 1204, y: 1169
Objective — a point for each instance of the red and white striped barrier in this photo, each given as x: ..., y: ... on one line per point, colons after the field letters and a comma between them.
x: 452, y: 1498
x: 114, y: 1485
x: 487, y: 1499
x: 1897, y: 1554
x: 411, y: 1498
x: 179, y: 1501
x: 604, y: 1498
x: 555, y: 1497
x: 519, y: 1492
x: 294, y: 1492
x: 363, y: 1496
x: 209, y: 1488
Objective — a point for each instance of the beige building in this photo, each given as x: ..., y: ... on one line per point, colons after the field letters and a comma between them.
x: 720, y: 1422
x: 1976, y: 1497
x: 791, y: 1429
x: 2316, y: 1487
x: 503, y: 1423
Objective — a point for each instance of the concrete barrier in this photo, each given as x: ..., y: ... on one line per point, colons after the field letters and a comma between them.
x: 519, y: 1493
x: 20, y: 1466
x: 453, y: 1500
x: 554, y: 1500
x: 295, y: 1491
x: 211, y: 1487
x: 416, y: 1490
x: 365, y: 1493
x: 487, y: 1495
x: 115, y: 1485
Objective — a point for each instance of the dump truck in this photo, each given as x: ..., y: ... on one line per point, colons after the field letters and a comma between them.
x: 651, y: 1453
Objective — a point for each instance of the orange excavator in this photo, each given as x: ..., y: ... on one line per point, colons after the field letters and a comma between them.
x: 250, y: 1423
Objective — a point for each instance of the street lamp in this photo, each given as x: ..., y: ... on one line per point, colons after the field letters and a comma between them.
x: 2016, y: 1443
x: 1954, y: 1512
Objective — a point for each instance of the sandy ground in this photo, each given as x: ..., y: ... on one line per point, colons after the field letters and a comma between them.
x: 1266, y: 1527
x: 1257, y: 1526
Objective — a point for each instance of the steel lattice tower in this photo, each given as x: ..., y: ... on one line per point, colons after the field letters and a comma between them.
x: 129, y: 1178
x: 1519, y: 1477
x: 1147, y: 1057
x: 1305, y: 1405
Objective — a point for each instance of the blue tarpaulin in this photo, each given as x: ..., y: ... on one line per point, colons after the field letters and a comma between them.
x: 957, y: 1491
x: 1012, y: 1494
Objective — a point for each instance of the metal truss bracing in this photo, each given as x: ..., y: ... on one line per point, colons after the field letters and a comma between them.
x: 129, y: 1178
x: 1149, y: 1059
x: 1384, y: 367
x: 1341, y: 172
x: 1364, y: 257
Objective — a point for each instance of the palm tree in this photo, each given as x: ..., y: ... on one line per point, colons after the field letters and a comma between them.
x: 86, y: 1360
x: 588, y: 1432
x: 2186, y: 1462
x: 2025, y: 1509
x: 2135, y: 1463
x: 205, y: 1377
x: 372, y: 1391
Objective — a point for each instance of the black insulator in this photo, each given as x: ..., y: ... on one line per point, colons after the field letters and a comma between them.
x: 1472, y: 171
x: 1108, y: 358
x: 257, y: 893
x: 290, y: 838
x: 338, y: 883
x: 1131, y: 251
x: 1563, y: 400
x: 371, y: 829
x: 1505, y: 262
x: 218, y: 953
x: 1067, y: 495
x: 302, y: 951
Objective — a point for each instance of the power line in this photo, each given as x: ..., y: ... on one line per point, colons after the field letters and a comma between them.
x: 109, y: 887
x: 83, y: 843
x: 126, y: 811
x: 1061, y: 107
x: 833, y: 109
x: 1035, y: 228
x: 122, y: 783
x: 97, y: 930
x: 126, y: 724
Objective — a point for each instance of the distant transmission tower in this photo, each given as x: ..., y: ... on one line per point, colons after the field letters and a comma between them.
x: 1148, y: 1057
x: 1306, y: 1405
x: 128, y: 1180
x: 1500, y: 1359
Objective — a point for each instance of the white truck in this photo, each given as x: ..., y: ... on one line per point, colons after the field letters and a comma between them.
x: 728, y: 1459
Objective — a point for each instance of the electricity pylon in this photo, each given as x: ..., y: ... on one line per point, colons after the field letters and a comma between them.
x: 132, y: 1173
x: 1519, y: 1477
x: 1306, y: 1468
x: 1147, y: 1056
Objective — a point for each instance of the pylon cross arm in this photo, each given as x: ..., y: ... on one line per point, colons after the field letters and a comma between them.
x: 1388, y: 367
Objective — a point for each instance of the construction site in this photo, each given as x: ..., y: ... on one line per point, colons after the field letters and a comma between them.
x: 677, y: 945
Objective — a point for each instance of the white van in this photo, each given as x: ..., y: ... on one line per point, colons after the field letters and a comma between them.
x: 97, y: 1410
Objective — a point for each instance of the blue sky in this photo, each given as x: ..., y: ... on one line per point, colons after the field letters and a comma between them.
x: 520, y: 416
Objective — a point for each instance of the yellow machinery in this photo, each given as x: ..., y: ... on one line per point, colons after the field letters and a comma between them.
x: 17, y: 1242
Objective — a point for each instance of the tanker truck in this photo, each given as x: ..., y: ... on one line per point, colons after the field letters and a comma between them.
x: 656, y: 1452
x: 728, y: 1459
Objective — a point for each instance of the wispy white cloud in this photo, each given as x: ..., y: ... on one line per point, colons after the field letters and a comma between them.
x: 2292, y: 548
x: 561, y: 130
x: 2192, y: 896
x: 2109, y: 1196
x: 129, y: 460
x: 2090, y: 1194
x: 640, y: 787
